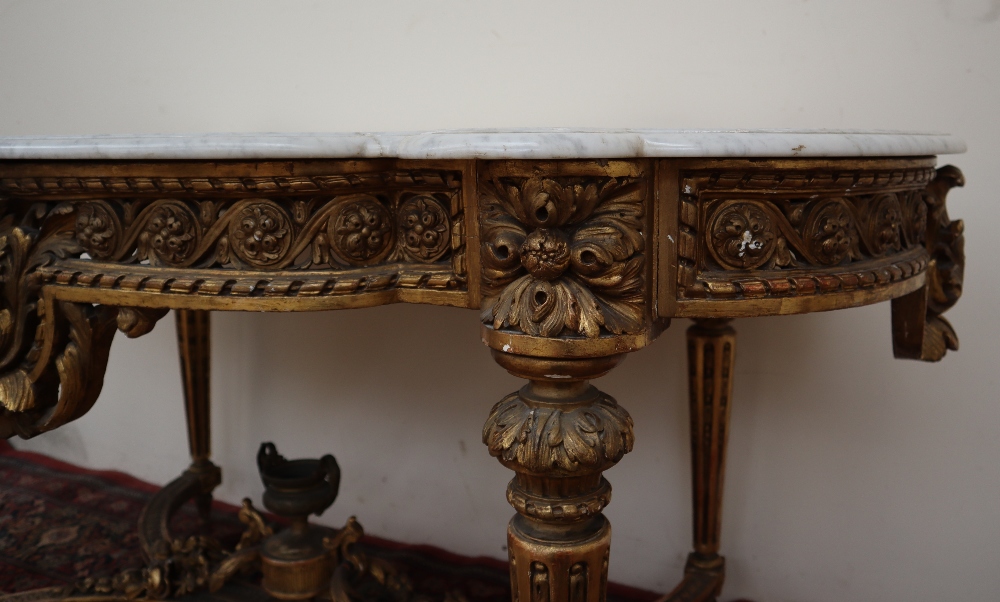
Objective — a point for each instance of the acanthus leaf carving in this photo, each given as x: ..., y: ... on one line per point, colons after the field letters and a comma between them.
x: 52, y: 353
x: 919, y: 329
x: 563, y: 256
x: 540, y: 439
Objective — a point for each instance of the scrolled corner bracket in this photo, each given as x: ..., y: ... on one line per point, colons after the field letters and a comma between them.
x: 919, y: 330
x: 564, y: 256
x: 53, y: 353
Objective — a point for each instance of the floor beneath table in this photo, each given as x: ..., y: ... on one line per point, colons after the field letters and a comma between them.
x: 60, y: 523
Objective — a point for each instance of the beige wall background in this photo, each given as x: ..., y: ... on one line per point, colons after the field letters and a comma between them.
x: 852, y: 476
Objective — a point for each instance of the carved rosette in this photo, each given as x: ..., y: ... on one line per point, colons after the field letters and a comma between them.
x: 424, y: 226
x: 743, y: 235
x: 97, y: 229
x: 361, y: 231
x: 563, y: 255
x: 260, y: 233
x: 830, y: 232
x: 914, y: 210
x: 171, y: 234
x: 885, y: 225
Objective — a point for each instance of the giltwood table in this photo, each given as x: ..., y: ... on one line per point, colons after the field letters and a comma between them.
x: 577, y: 247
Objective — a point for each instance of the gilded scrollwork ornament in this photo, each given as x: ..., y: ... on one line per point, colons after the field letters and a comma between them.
x: 919, y: 329
x: 563, y: 256
x: 53, y: 353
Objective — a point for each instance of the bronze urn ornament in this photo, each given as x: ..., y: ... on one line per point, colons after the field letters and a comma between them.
x: 295, y: 563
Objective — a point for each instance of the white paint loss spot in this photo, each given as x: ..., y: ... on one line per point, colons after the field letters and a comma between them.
x: 748, y: 243
x: 670, y: 238
x: 558, y: 376
x: 506, y: 348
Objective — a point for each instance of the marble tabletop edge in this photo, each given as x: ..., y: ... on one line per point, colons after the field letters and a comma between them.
x: 526, y: 143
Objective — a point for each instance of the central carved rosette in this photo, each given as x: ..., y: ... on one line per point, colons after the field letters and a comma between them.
x: 545, y: 254
x: 563, y: 256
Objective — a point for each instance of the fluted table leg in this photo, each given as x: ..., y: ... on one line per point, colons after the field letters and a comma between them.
x: 194, y: 345
x: 711, y: 351
x: 558, y: 434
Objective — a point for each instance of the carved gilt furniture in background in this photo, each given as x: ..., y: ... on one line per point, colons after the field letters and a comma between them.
x: 574, y: 258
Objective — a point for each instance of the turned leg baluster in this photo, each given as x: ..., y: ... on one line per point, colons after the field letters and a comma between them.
x: 558, y: 433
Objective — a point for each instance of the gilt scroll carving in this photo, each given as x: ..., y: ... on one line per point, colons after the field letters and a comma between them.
x: 919, y: 329
x: 330, y: 232
x: 803, y: 231
x: 563, y: 255
x: 52, y: 353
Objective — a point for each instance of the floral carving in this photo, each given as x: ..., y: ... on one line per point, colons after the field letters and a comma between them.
x: 915, y: 217
x: 538, y: 440
x: 424, y: 228
x: 260, y: 233
x: 361, y: 231
x: 171, y: 233
x: 885, y: 224
x: 97, y: 229
x: 830, y: 232
x: 563, y: 255
x: 545, y: 254
x: 743, y: 235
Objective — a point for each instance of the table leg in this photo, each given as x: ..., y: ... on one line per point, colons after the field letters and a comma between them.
x: 194, y: 344
x: 198, y: 481
x: 558, y: 434
x: 711, y: 352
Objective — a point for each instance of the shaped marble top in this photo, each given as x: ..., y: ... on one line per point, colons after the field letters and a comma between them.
x: 485, y: 144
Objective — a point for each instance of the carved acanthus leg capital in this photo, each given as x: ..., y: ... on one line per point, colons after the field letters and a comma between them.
x: 558, y: 434
x: 919, y: 330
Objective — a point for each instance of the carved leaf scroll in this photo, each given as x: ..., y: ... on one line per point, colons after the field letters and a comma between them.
x: 52, y: 353
x: 919, y: 329
x: 325, y: 232
x: 590, y: 438
x: 563, y: 255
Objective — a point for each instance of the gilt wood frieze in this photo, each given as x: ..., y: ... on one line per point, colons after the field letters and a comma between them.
x: 798, y: 235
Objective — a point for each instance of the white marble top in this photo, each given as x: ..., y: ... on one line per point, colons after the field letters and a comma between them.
x: 485, y: 144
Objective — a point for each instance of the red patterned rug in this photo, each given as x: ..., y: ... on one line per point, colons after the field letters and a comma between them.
x: 60, y: 523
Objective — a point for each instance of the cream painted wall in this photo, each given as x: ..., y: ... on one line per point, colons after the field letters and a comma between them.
x: 852, y: 476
